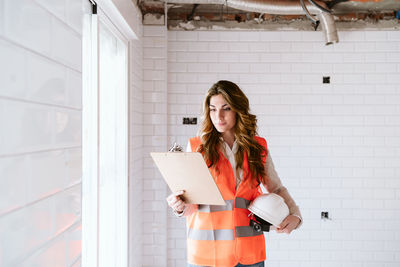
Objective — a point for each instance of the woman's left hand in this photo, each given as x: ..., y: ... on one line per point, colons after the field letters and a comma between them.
x: 288, y: 224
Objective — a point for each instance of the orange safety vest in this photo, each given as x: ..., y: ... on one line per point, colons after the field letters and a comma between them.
x: 220, y: 235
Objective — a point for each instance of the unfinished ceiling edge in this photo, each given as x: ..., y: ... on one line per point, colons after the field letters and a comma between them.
x: 279, y: 7
x: 288, y: 7
x: 345, y: 7
x: 293, y: 25
x: 202, y: 2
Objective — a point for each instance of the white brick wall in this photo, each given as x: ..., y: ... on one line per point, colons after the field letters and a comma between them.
x: 155, y: 139
x: 40, y: 137
x: 136, y: 195
x: 335, y: 146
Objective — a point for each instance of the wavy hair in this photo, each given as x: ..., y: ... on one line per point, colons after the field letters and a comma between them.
x: 245, y: 130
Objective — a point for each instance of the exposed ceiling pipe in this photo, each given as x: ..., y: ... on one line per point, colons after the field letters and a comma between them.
x: 314, y: 21
x: 280, y: 7
x: 363, y: 6
x: 319, y: 6
x: 329, y: 26
x: 288, y: 7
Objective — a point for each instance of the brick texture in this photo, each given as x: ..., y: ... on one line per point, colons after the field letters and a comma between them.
x: 335, y: 146
x: 155, y: 124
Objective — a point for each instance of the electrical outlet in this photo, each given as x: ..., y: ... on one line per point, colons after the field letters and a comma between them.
x: 189, y: 120
x: 324, y: 215
x: 326, y: 79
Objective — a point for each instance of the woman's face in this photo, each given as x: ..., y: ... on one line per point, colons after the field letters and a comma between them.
x: 222, y: 116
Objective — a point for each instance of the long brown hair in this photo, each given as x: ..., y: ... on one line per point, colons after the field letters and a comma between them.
x: 245, y: 130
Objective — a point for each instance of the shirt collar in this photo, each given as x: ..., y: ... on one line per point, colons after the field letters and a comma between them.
x: 226, y: 146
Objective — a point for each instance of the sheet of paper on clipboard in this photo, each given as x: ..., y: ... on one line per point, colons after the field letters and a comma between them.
x: 188, y: 171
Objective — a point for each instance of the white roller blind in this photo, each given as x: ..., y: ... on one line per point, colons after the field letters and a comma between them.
x: 105, y: 144
x: 113, y: 145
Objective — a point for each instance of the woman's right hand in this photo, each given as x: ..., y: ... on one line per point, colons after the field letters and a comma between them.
x: 175, y: 201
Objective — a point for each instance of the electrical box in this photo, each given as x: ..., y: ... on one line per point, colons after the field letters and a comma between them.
x: 187, y: 120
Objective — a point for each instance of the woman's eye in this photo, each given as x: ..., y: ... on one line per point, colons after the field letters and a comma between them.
x: 227, y: 109
x: 212, y: 109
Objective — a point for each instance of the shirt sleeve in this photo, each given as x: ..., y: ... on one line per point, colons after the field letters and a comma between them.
x: 188, y: 147
x: 274, y: 185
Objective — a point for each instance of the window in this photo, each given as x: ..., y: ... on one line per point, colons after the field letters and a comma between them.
x: 105, y: 144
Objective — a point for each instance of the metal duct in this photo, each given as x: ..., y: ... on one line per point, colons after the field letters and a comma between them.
x: 278, y: 7
x: 289, y: 7
x: 329, y: 26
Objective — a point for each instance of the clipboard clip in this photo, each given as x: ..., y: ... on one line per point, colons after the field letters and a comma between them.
x: 175, y: 148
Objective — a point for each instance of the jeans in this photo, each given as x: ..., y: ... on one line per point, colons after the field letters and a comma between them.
x: 260, y: 264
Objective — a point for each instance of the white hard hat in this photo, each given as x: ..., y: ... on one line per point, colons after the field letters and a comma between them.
x: 270, y: 207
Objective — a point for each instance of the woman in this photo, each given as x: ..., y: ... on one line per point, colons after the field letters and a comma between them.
x: 239, y: 162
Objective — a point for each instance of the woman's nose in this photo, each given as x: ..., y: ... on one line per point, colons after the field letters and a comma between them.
x: 219, y: 114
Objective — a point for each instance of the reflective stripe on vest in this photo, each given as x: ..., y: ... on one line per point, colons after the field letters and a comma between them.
x: 245, y: 231
x: 213, y: 208
x: 220, y: 234
x: 242, y: 203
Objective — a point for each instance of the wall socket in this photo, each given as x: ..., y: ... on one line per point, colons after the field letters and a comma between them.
x: 187, y: 120
x: 325, y: 215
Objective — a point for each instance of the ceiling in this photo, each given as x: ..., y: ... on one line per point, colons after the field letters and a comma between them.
x: 208, y: 13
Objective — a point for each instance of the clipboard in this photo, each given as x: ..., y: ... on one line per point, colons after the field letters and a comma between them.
x: 188, y: 171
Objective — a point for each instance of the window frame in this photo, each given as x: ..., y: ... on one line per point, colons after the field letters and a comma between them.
x: 95, y: 239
